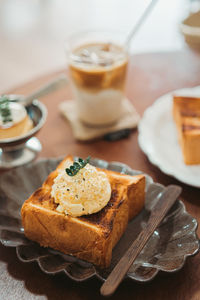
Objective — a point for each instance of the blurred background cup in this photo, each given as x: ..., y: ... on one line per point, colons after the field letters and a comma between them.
x: 97, y: 63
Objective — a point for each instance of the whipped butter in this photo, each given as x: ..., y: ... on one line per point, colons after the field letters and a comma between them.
x: 85, y: 193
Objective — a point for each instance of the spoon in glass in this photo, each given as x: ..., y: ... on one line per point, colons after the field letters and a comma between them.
x: 51, y: 86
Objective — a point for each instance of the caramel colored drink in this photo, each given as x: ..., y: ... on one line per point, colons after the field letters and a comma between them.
x: 98, y: 73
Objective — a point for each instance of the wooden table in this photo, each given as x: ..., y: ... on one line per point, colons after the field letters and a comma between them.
x: 150, y: 75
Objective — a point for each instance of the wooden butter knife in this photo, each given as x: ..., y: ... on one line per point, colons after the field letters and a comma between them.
x: 159, y: 211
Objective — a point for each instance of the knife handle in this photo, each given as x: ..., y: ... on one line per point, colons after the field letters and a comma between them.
x: 159, y: 211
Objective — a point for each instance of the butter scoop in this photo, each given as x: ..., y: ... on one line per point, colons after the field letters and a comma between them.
x: 85, y: 193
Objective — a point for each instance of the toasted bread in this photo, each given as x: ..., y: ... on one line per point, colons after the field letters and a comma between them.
x: 186, y: 111
x: 90, y: 237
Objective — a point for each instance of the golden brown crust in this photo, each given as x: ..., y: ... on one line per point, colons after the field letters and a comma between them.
x: 186, y: 112
x: 90, y: 237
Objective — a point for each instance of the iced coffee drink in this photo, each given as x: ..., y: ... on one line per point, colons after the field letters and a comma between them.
x: 98, y: 72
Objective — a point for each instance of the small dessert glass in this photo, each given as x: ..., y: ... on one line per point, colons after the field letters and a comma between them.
x: 22, y: 149
x: 97, y: 63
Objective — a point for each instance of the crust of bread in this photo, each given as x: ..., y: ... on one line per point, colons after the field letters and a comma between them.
x: 186, y: 112
x: 90, y: 237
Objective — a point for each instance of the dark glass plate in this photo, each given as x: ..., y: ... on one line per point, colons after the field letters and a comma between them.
x: 173, y: 241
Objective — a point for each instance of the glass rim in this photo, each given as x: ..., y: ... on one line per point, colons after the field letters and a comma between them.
x: 81, y: 34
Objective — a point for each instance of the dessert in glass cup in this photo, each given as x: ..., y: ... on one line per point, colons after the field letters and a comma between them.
x: 97, y: 68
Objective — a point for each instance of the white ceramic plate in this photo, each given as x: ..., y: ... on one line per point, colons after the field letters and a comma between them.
x: 158, y: 139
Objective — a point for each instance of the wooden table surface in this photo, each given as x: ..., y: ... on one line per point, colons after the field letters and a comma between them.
x: 150, y: 76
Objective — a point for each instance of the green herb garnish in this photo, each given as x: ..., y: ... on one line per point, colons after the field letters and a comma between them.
x: 5, y: 111
x: 77, y: 165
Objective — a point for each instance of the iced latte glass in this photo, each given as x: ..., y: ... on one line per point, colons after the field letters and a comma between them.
x: 97, y: 66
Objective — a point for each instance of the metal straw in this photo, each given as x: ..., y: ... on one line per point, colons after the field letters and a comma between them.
x: 140, y: 22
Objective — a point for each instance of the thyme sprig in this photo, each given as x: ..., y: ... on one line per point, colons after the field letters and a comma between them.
x: 5, y: 111
x: 77, y: 165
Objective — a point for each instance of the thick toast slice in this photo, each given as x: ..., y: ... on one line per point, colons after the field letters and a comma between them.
x: 91, y: 237
x: 186, y: 111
